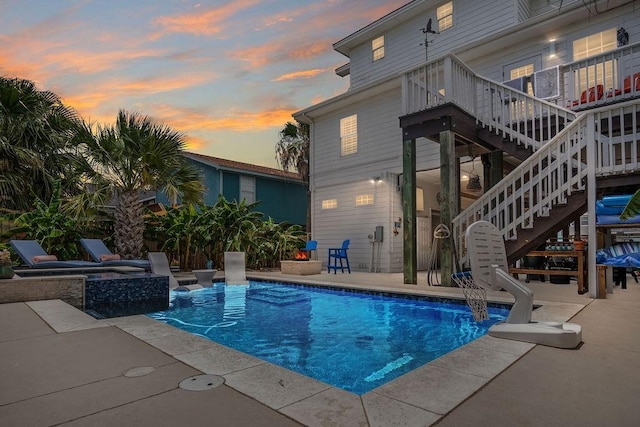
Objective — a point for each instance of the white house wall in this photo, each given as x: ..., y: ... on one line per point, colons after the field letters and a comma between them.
x: 492, y: 65
x: 404, y: 44
x: 379, y: 135
x: 344, y: 177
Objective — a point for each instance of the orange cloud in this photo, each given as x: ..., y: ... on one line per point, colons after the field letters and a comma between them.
x: 195, y: 143
x: 90, y: 63
x: 274, y: 52
x: 195, y: 121
x: 303, y: 74
x: 208, y: 23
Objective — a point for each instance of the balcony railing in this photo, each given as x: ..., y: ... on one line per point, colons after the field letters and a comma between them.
x: 602, y: 141
x: 602, y: 79
x: 502, y: 109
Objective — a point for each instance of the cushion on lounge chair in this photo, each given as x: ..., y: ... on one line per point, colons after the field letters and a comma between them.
x: 40, y: 258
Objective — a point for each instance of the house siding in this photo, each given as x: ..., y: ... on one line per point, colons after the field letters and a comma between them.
x: 342, y: 178
x: 281, y: 198
x: 379, y: 135
x: 404, y: 44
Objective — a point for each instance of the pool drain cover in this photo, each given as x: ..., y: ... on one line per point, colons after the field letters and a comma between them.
x: 201, y: 382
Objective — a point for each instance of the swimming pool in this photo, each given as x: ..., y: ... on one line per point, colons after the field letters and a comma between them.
x: 352, y: 340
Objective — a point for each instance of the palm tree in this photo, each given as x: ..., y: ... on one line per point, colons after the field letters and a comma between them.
x: 292, y: 152
x: 135, y: 155
x: 36, y: 144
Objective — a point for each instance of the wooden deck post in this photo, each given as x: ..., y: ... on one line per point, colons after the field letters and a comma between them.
x: 409, y: 246
x: 450, y: 200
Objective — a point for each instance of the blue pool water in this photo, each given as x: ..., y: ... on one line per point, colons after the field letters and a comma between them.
x: 351, y: 340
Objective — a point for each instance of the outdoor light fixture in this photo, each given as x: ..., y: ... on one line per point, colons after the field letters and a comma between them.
x: 552, y: 48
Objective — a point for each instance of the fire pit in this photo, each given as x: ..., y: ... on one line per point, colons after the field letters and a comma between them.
x: 301, y: 265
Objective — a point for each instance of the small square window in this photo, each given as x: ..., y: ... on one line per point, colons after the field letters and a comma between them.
x: 377, y: 48
x: 330, y: 204
x: 364, y: 199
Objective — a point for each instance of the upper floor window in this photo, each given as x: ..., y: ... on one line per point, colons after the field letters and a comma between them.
x: 248, y: 189
x: 600, y: 73
x: 444, y: 14
x: 595, y: 44
x: 523, y: 71
x: 377, y: 48
x: 349, y: 135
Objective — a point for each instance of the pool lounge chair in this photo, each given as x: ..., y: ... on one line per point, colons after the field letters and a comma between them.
x: 101, y: 253
x: 35, y: 257
x: 160, y: 266
x: 234, y: 268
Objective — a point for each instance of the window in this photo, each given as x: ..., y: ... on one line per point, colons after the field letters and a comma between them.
x: 377, y: 47
x: 604, y: 73
x: 595, y: 44
x: 445, y: 16
x: 248, y: 189
x: 525, y: 70
x: 364, y: 199
x: 330, y: 204
x: 349, y: 135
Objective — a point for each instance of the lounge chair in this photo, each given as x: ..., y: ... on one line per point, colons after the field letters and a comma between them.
x: 35, y: 257
x: 234, y: 268
x: 160, y: 266
x: 101, y: 253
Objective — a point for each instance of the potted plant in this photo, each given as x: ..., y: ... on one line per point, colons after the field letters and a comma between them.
x: 6, y: 268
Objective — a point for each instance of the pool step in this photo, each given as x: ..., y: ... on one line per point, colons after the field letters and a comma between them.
x: 277, y: 296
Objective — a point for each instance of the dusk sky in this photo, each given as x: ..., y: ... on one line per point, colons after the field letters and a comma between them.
x: 228, y: 74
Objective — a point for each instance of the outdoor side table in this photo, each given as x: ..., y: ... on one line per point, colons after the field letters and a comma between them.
x: 204, y: 277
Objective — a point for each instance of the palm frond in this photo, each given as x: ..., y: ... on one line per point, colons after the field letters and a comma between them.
x: 633, y: 207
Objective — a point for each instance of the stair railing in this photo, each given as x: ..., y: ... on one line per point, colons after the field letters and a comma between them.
x: 559, y: 168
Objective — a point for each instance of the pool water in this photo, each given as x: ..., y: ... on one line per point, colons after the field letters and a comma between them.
x: 351, y: 340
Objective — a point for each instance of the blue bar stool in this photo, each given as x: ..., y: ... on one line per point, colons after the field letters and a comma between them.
x: 338, y: 254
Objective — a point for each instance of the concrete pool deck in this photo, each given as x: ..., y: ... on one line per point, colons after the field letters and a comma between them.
x: 62, y: 367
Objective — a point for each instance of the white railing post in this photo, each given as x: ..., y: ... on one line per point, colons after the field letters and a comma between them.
x: 591, y: 204
x: 449, y: 96
x: 405, y: 94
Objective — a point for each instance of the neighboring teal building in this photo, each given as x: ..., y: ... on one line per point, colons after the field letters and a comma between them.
x: 282, y: 195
